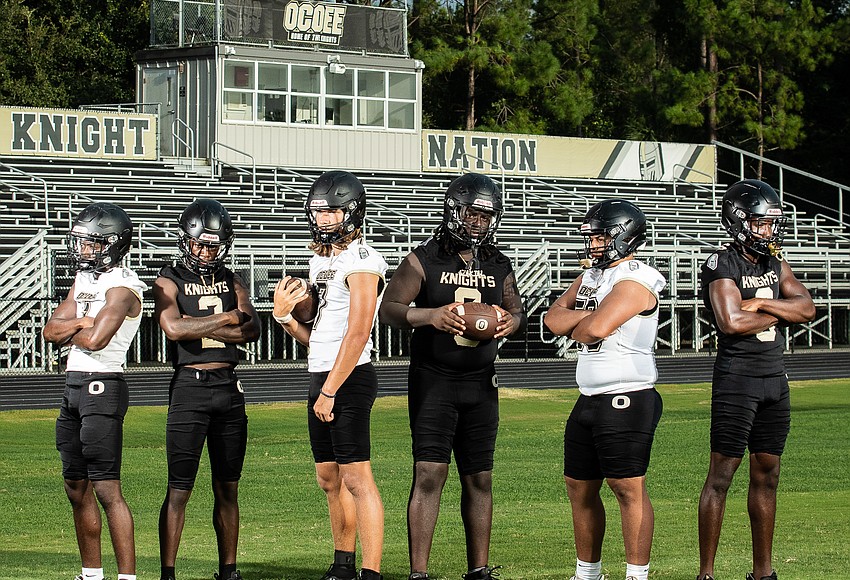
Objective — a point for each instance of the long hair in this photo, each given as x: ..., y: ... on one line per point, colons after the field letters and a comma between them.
x: 451, y: 245
x: 325, y: 250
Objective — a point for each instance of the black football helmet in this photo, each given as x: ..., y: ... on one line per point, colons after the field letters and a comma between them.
x: 622, y: 221
x: 100, y: 237
x: 336, y: 190
x: 478, y: 192
x: 748, y: 200
x: 205, y: 222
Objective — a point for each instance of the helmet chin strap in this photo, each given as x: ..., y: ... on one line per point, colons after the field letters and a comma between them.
x: 474, y: 264
x: 751, y: 254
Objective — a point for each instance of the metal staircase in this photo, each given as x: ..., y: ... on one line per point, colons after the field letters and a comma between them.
x: 25, y: 285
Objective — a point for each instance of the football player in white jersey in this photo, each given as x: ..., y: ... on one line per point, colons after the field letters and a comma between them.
x: 612, y: 311
x: 98, y: 319
x: 349, y: 277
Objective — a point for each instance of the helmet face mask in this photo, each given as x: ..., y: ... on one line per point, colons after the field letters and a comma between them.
x: 752, y: 215
x: 620, y: 226
x: 206, y: 236
x: 100, y: 237
x: 335, y: 190
x: 472, y: 209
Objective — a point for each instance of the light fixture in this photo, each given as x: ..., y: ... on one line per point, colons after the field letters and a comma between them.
x: 229, y: 50
x: 334, y: 66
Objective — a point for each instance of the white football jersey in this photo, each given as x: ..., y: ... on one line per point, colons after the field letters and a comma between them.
x: 625, y: 361
x: 330, y: 274
x: 90, y: 296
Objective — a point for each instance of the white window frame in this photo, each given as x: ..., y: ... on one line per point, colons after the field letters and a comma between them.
x: 322, y: 96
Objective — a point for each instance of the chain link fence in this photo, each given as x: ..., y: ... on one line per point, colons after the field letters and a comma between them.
x: 684, y: 323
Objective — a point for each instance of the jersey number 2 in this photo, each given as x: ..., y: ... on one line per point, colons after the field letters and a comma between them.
x: 768, y: 334
x: 214, y: 303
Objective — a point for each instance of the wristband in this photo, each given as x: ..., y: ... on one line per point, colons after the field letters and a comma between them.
x: 283, y: 319
x: 324, y: 394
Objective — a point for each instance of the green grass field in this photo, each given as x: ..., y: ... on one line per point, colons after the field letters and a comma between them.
x: 285, y: 532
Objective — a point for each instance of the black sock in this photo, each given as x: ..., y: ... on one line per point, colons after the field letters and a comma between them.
x: 342, y: 558
x: 167, y: 573
x: 226, y: 570
x: 367, y: 574
x: 343, y: 566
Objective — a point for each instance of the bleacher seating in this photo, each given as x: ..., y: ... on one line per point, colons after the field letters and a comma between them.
x: 403, y: 210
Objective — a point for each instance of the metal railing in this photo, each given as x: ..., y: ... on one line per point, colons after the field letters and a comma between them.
x: 783, y: 169
x: 123, y: 107
x: 31, y: 177
x: 552, y: 187
x: 190, y: 145
x: 26, y: 282
x: 373, y: 220
x: 218, y: 164
x: 278, y: 185
x: 696, y: 185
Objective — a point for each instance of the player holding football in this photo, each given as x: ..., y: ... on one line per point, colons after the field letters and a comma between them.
x: 349, y: 276
x: 612, y: 311
x: 99, y: 319
x: 749, y: 290
x: 453, y: 397
x: 205, y: 311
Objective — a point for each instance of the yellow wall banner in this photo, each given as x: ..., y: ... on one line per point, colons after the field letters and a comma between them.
x: 73, y: 133
x: 546, y: 156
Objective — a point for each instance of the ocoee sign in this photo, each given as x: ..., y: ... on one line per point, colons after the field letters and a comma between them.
x: 314, y: 18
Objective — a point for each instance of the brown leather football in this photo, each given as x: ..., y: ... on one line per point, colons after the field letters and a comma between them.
x: 305, y: 311
x: 481, y: 320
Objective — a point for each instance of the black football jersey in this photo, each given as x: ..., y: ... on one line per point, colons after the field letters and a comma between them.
x: 448, y: 279
x: 759, y: 354
x: 202, y: 296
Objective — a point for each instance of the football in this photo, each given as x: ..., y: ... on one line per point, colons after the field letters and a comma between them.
x: 481, y: 320
x: 305, y: 311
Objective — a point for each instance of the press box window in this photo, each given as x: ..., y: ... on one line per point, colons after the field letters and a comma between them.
x: 238, y: 75
x: 339, y: 102
x: 273, y: 81
x: 304, y: 107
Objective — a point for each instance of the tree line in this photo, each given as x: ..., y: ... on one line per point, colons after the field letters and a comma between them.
x: 768, y: 76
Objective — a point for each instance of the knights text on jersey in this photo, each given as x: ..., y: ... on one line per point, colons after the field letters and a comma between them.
x: 448, y: 279
x: 625, y: 361
x: 330, y: 275
x: 199, y: 296
x: 90, y: 295
x: 759, y: 354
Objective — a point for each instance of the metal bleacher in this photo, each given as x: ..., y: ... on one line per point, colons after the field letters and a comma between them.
x: 540, y: 224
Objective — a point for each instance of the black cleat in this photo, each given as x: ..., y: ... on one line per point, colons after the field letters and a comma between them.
x: 235, y: 575
x: 771, y: 577
x: 485, y: 573
x: 419, y: 576
x: 340, y: 572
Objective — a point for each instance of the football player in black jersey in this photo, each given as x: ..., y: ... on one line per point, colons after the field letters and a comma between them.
x: 750, y: 291
x: 205, y: 311
x: 453, y: 397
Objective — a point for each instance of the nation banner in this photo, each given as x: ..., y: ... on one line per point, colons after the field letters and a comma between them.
x: 574, y: 157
